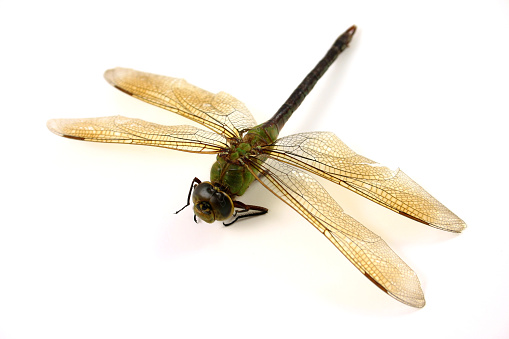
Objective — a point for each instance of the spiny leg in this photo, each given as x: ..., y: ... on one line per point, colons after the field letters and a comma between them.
x: 247, y: 211
x: 195, y: 181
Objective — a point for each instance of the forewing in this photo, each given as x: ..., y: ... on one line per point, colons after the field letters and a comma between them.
x: 122, y: 130
x: 366, y: 250
x: 220, y: 112
x: 324, y: 154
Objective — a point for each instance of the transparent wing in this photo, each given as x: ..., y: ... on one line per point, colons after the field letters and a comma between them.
x: 122, y: 130
x: 324, y: 154
x: 219, y: 112
x: 366, y: 250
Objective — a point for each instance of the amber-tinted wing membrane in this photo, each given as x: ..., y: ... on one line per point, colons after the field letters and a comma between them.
x: 324, y: 154
x: 367, y: 251
x: 219, y: 112
x: 122, y: 130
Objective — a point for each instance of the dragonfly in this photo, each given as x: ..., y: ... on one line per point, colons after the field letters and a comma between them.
x: 248, y: 152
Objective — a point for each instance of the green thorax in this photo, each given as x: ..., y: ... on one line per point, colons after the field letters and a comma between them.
x: 229, y: 170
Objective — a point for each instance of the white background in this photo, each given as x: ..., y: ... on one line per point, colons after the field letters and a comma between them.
x: 89, y: 244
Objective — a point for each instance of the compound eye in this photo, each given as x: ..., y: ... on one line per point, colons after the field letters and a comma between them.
x: 204, y: 211
x: 211, y: 204
x: 203, y: 192
x: 222, y: 205
x: 201, y: 197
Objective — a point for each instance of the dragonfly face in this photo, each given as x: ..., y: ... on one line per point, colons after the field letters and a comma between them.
x: 210, y: 203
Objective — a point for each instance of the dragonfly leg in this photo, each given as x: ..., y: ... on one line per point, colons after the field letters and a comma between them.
x: 246, y: 211
x: 195, y: 181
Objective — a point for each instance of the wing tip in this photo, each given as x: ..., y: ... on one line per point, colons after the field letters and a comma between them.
x: 451, y: 224
x: 110, y: 76
x: 416, y: 301
x: 460, y: 226
x: 454, y: 226
x: 52, y: 125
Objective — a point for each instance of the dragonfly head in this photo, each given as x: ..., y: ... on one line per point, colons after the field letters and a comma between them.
x: 210, y: 203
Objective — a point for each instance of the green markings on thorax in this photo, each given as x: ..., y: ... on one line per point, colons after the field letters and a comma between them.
x: 229, y: 170
x: 235, y: 178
